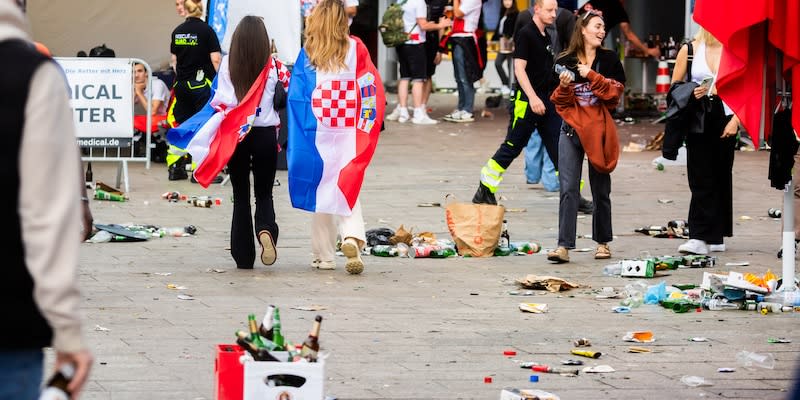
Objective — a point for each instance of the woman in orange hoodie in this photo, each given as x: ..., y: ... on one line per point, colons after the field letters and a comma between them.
x: 591, y: 83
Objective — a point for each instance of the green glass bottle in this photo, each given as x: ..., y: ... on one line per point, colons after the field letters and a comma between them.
x: 503, y: 251
x: 277, y: 336
x: 443, y: 252
x: 384, y: 250
x: 254, y: 336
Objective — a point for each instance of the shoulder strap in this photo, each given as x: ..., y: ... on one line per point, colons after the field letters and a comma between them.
x: 689, y: 59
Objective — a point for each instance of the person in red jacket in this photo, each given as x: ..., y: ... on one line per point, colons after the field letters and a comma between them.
x: 590, y: 86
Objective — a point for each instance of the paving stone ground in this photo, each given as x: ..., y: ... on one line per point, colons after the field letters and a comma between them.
x: 430, y: 328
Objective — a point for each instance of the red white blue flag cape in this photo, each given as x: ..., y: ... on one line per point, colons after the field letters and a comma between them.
x: 212, y: 134
x: 334, y: 120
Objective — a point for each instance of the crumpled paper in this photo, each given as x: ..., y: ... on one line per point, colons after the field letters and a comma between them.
x: 544, y: 282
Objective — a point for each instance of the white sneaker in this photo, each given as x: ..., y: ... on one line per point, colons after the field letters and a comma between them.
x: 505, y: 90
x: 394, y: 115
x: 716, y: 248
x: 465, y: 117
x: 694, y: 246
x: 424, y: 119
x: 453, y: 116
x: 404, y: 117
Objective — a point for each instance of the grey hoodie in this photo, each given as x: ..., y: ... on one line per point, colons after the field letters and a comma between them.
x: 49, y: 157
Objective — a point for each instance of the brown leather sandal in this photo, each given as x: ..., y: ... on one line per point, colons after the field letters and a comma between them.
x: 603, y: 252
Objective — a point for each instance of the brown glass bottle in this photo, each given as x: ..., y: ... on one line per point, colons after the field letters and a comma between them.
x: 265, y: 329
x: 311, y: 344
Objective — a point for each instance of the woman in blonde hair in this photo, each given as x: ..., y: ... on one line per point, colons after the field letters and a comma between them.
x: 710, y: 143
x: 335, y: 112
x: 196, y: 56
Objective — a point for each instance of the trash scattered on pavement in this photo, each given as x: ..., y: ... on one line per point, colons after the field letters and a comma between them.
x: 106, y: 192
x: 608, y: 293
x: 778, y: 340
x: 550, y: 283
x: 621, y: 309
x: 571, y: 362
x: 745, y: 218
x: 737, y: 264
x: 750, y: 360
x: 726, y: 370
x: 527, y: 394
x: 185, y: 297
x: 176, y: 287
x: 312, y: 307
x: 598, y: 369
x: 429, y: 205
x: 536, y: 308
x: 665, y: 201
x: 639, y: 337
x: 698, y: 339
x: 215, y: 270
x: 99, y: 328
x: 695, y: 381
x: 563, y: 371
x: 516, y: 210
x: 637, y: 349
x: 162, y: 273
x: 586, y: 353
x: 582, y: 342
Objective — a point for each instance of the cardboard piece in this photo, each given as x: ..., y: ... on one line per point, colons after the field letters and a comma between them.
x: 544, y: 282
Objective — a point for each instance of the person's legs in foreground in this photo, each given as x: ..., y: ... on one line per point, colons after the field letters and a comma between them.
x: 21, y: 374
x: 400, y: 113
x: 601, y: 217
x: 323, y: 241
x: 265, y: 156
x: 523, y: 123
x: 466, y: 92
x: 354, y: 238
x: 570, y: 158
x: 242, y: 243
x: 538, y: 165
x: 499, y: 65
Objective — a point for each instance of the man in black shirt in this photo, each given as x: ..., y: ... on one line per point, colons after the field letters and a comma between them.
x: 432, y: 55
x: 533, y: 68
x: 614, y: 14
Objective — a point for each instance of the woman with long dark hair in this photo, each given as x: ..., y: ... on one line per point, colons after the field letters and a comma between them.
x: 590, y: 86
x: 257, y: 153
x: 504, y: 34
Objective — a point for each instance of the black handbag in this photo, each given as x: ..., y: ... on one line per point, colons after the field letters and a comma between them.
x: 279, y: 98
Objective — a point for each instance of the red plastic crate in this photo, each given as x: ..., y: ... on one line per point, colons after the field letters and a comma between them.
x: 229, y: 372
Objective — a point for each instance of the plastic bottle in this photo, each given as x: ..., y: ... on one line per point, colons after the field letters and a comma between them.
x: 614, y: 269
x: 635, y: 293
x: 718, y: 305
x: 100, y: 237
x: 749, y: 359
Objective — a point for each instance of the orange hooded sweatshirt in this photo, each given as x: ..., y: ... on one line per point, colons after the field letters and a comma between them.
x: 592, y: 120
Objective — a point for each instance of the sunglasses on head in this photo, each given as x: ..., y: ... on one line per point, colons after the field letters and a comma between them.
x: 592, y: 12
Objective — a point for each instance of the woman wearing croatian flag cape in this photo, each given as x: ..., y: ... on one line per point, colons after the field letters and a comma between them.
x: 335, y: 112
x: 238, y: 128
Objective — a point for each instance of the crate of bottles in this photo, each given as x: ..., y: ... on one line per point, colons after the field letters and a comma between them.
x: 284, y: 380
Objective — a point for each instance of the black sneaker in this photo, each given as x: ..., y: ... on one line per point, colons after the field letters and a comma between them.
x: 177, y: 172
x: 484, y: 196
x: 585, y: 206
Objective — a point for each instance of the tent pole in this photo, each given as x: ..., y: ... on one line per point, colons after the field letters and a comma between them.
x: 788, y: 262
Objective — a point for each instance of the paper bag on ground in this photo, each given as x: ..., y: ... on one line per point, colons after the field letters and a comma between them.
x: 475, y: 228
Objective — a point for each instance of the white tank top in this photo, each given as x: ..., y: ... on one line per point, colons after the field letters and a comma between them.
x: 700, y: 70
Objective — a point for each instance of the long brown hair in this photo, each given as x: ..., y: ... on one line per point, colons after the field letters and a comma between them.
x: 326, y: 36
x: 248, y: 54
x: 577, y: 46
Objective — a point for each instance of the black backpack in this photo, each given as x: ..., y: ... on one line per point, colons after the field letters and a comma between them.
x: 101, y: 51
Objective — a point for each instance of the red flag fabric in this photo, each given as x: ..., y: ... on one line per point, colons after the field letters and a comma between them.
x: 740, y: 77
x: 233, y: 129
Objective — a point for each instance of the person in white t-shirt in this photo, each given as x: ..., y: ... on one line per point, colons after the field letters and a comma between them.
x: 141, y: 92
x: 467, y: 63
x: 413, y: 62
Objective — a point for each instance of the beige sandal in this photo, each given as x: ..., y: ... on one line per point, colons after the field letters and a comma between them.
x: 603, y: 252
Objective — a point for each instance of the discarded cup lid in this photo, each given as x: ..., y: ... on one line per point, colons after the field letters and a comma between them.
x: 534, y: 378
x: 509, y: 353
x: 621, y: 309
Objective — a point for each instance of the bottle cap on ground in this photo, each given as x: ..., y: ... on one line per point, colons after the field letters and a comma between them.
x: 534, y: 378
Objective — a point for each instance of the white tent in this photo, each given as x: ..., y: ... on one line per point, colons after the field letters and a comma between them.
x: 142, y: 28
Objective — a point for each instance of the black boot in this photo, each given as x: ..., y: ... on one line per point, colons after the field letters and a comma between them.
x: 177, y: 171
x: 484, y: 196
x: 585, y: 206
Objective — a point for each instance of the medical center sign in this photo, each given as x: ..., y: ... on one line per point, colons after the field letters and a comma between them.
x: 101, y: 95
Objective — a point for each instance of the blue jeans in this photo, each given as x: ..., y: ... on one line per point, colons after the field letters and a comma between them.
x: 466, y: 92
x: 538, y: 165
x: 21, y: 374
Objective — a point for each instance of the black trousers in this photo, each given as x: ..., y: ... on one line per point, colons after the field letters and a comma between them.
x: 523, y: 123
x: 258, y: 153
x: 190, y: 97
x: 709, y: 164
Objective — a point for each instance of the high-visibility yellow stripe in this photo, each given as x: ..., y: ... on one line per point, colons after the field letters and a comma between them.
x: 520, y: 107
x: 492, y: 175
